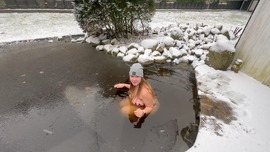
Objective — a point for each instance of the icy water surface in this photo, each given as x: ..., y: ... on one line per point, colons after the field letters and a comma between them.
x: 60, y: 97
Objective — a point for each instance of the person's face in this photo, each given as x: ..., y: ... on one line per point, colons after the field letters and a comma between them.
x: 135, y: 80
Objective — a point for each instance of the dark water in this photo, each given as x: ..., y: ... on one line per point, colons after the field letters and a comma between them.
x: 60, y: 97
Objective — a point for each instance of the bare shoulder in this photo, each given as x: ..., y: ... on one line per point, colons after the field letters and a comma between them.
x: 146, y: 92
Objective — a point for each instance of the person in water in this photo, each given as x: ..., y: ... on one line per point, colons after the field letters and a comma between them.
x: 142, y: 100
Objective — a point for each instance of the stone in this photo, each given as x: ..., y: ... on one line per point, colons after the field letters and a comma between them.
x: 94, y: 41
x: 221, y: 53
x: 237, y: 65
x: 149, y: 44
x: 220, y: 60
x: 176, y: 33
x: 130, y: 58
x: 145, y: 59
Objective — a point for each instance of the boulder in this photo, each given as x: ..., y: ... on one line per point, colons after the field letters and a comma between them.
x: 221, y: 53
x: 160, y: 59
x: 168, y: 41
x: 176, y: 33
x: 149, y: 44
x: 145, y: 59
x: 130, y: 58
x: 94, y: 41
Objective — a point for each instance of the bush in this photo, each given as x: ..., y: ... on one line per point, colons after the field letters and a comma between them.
x: 116, y: 18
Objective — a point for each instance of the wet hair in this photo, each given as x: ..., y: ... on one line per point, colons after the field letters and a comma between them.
x: 142, y: 84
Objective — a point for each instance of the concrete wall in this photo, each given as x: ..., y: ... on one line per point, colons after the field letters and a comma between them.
x: 254, y: 45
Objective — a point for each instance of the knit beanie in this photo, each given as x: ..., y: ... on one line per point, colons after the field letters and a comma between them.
x: 136, y: 70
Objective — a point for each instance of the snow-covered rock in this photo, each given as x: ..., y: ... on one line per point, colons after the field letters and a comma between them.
x: 133, y: 45
x: 159, y: 59
x: 100, y: 48
x: 168, y: 41
x: 222, y: 44
x: 115, y: 51
x: 114, y: 41
x: 106, y: 41
x: 129, y: 58
x: 108, y: 48
x: 145, y: 59
x: 175, y: 52
x: 149, y: 44
x: 147, y: 52
x: 123, y: 49
x: 176, y: 33
x: 221, y: 53
x: 94, y: 41
x: 133, y: 51
x: 155, y: 53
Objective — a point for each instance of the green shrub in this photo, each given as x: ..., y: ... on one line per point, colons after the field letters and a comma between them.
x: 116, y: 18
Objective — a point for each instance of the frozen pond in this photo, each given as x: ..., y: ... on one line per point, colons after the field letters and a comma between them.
x: 60, y: 97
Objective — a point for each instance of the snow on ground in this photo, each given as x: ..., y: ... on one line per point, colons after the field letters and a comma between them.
x: 247, y: 97
x: 229, y: 19
x: 25, y: 26
x: 250, y: 103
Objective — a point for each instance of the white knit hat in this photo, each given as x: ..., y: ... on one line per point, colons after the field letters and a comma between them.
x: 136, y: 70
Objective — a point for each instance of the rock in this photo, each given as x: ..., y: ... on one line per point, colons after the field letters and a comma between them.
x: 114, y: 41
x: 175, y: 52
x: 237, y: 65
x: 106, y: 41
x: 191, y: 58
x: 184, y: 59
x: 183, y: 52
x: 222, y: 44
x: 215, y: 31
x: 176, y: 61
x: 120, y: 54
x: 129, y: 58
x: 206, y: 30
x: 149, y: 44
x: 168, y: 41
x: 102, y: 37
x: 140, y: 49
x: 220, y: 60
x: 115, y: 51
x: 132, y: 51
x: 155, y: 53
x: 159, y: 59
x: 108, y: 48
x: 156, y: 30
x: 176, y: 33
x: 221, y: 53
x: 133, y: 45
x: 166, y: 53
x: 198, y: 53
x: 219, y: 27
x: 160, y: 47
x: 123, y: 49
x: 145, y: 59
x: 100, y: 48
x: 94, y: 41
x: 147, y: 52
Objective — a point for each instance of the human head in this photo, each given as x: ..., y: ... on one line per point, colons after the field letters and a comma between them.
x: 136, y: 70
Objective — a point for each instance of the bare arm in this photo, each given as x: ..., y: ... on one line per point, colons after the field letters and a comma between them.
x: 122, y: 85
